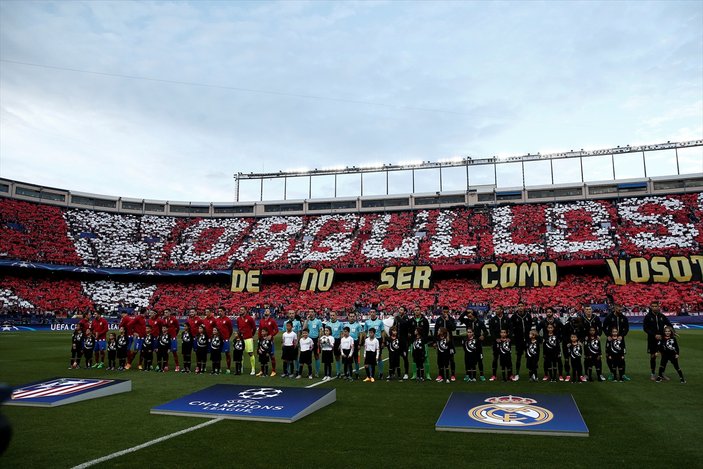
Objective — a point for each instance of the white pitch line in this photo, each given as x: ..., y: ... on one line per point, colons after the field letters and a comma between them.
x: 320, y: 382
x: 145, y: 445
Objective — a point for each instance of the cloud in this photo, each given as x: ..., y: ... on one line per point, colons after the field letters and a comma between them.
x: 510, y: 78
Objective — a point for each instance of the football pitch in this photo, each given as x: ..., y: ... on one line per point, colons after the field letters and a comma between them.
x: 638, y: 423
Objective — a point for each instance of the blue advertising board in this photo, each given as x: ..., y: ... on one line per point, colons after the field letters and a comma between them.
x: 269, y: 404
x: 537, y: 414
x: 60, y: 391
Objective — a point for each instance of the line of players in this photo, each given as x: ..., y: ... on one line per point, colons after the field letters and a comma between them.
x: 577, y: 341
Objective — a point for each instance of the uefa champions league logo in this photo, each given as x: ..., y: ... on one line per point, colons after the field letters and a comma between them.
x: 260, y: 393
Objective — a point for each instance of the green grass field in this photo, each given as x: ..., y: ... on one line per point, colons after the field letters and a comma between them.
x: 632, y: 424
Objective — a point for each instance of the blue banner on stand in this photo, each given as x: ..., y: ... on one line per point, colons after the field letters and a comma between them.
x: 537, y: 414
x: 60, y: 391
x: 269, y: 404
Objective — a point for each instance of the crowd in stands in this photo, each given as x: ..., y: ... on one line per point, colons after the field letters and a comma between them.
x: 62, y: 296
x: 593, y: 229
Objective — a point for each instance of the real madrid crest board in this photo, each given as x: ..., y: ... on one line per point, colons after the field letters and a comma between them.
x: 542, y: 414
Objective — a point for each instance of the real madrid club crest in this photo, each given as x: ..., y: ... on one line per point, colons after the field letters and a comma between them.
x: 510, y: 411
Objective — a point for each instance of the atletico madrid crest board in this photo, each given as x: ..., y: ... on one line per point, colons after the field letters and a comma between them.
x: 60, y: 391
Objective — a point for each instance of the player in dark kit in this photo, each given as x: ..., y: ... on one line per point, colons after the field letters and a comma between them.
x: 669, y: 349
x: 575, y: 350
x: 264, y: 352
x: 470, y: 321
x: 615, y: 355
x: 88, y: 347
x: 402, y: 323
x: 551, y: 349
x: 163, y: 346
x: 237, y: 352
x: 506, y: 359
x: 445, y: 351
x: 76, y: 347
x: 616, y: 320
x: 147, y: 353
x: 418, y: 347
x: 122, y: 348
x: 572, y: 326
x: 473, y: 355
x: 186, y: 349
x: 532, y: 354
x: 593, y: 354
x: 447, y: 322
x: 654, y: 323
x: 588, y: 320
x: 395, y: 349
x: 111, y: 352
x: 549, y: 320
x: 216, y: 351
x: 201, y: 344
x: 497, y: 323
x: 520, y: 326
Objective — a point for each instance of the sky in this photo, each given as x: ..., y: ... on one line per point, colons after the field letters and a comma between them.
x: 168, y: 100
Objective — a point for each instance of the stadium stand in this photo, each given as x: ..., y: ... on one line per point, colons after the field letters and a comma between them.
x: 571, y: 233
x: 594, y: 229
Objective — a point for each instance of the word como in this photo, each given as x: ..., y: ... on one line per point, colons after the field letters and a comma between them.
x: 658, y: 269
x: 525, y: 274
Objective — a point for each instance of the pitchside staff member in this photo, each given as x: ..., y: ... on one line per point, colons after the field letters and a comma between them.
x: 654, y: 323
x: 496, y: 324
x: 471, y: 322
x: 521, y: 325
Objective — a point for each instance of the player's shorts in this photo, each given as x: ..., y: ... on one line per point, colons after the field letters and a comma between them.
x: 273, y: 348
x: 652, y: 345
x: 100, y: 344
x: 305, y: 357
x: 174, y: 345
x: 225, y: 346
x: 370, y: 358
x: 520, y: 347
x: 315, y: 342
x: 249, y: 345
x: 355, y: 352
x: 336, y: 347
x: 289, y: 353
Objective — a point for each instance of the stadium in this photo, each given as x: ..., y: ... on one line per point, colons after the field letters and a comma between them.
x: 362, y: 182
x: 627, y: 242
